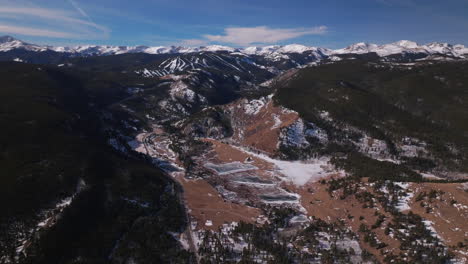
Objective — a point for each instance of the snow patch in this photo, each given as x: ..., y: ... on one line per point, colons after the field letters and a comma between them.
x: 277, y: 122
x: 403, y: 202
x: 299, y: 172
x: 430, y: 226
x: 228, y: 168
x: 254, y: 106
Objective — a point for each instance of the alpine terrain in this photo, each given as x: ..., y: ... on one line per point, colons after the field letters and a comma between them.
x: 214, y: 154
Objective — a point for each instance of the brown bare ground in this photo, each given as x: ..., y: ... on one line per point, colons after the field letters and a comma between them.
x: 259, y: 130
x: 227, y: 153
x: 318, y: 203
x: 450, y: 221
x: 205, y: 203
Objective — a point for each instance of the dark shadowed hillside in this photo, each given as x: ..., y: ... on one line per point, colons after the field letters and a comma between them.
x: 91, y: 202
x: 390, y: 102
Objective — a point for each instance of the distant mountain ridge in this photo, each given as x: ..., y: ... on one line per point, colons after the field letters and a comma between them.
x: 8, y: 43
x: 405, y: 46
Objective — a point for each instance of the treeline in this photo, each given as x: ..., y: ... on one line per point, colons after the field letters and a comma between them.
x: 361, y: 166
x: 389, y: 103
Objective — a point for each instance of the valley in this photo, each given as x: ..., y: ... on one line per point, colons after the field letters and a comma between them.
x: 238, y: 178
x: 284, y: 154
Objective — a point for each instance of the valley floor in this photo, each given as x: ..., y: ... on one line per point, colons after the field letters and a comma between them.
x: 242, y: 184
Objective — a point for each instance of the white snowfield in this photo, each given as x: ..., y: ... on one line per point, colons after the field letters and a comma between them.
x: 274, y: 52
x: 297, y: 172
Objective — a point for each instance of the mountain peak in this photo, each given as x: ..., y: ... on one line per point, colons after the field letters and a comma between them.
x: 366, y: 44
x: 295, y: 48
x: 6, y: 39
x: 438, y: 44
x: 8, y: 43
x: 407, y: 44
x: 217, y: 48
x: 361, y: 47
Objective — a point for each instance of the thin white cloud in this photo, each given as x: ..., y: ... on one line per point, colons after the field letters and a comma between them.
x: 80, y: 10
x: 58, y: 15
x: 37, y: 32
x: 250, y: 35
x: 33, y: 21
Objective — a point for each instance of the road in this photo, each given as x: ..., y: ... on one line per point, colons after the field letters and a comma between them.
x: 147, y: 140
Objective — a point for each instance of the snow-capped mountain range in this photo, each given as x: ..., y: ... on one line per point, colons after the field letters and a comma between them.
x: 8, y: 43
x: 407, y: 46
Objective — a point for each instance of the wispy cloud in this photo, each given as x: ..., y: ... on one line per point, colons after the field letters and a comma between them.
x: 46, y: 22
x: 262, y: 35
x: 80, y: 10
x: 37, y: 32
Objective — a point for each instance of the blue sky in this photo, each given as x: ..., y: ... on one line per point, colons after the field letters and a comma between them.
x: 330, y: 23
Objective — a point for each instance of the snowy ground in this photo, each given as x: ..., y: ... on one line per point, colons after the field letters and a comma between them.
x: 430, y: 226
x: 49, y: 218
x: 228, y: 168
x: 156, y: 146
x: 403, y: 201
x: 298, y: 172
